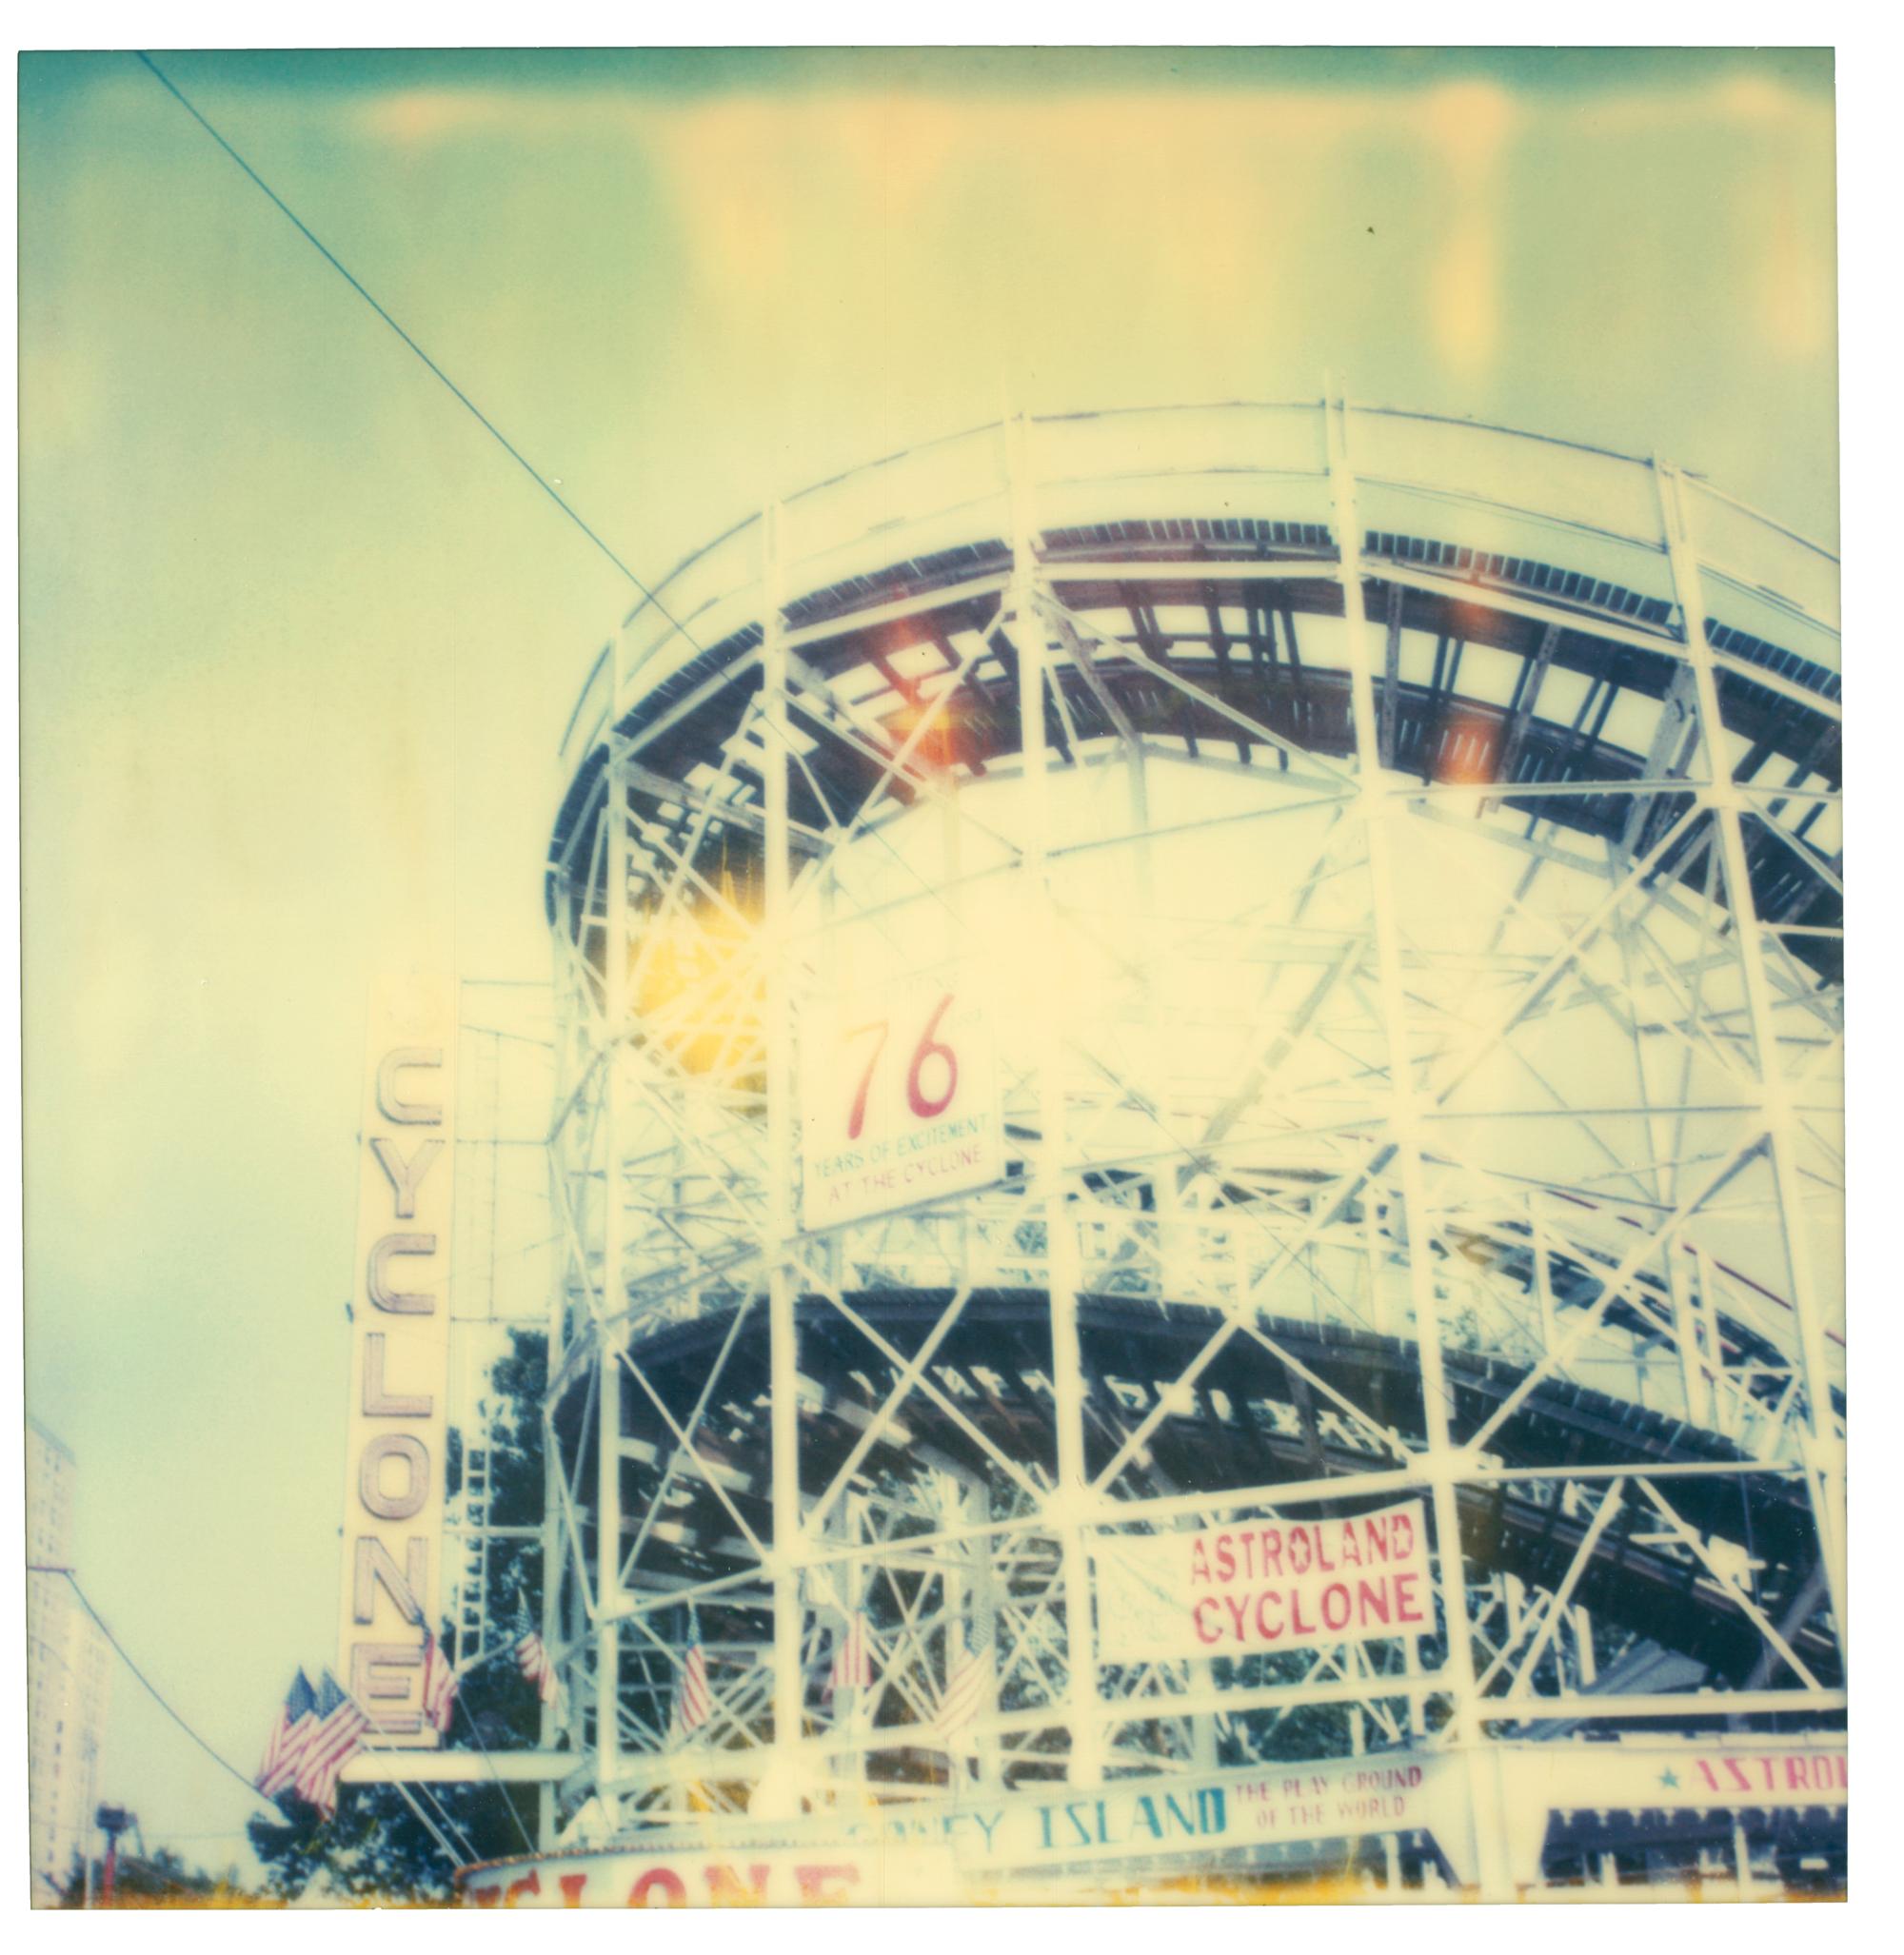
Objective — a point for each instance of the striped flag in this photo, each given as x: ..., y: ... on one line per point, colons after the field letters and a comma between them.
x: 439, y: 1684
x: 532, y: 1656
x: 693, y: 1701
x: 961, y: 1700
x: 852, y: 1656
x: 296, y: 1721
x: 338, y: 1738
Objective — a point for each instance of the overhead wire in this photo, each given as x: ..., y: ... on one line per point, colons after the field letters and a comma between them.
x: 562, y: 502
x: 363, y: 291
x: 548, y: 489
x: 508, y: 1799
x: 157, y: 1695
x: 165, y: 1705
x: 449, y: 1852
x: 469, y: 1718
x: 357, y: 286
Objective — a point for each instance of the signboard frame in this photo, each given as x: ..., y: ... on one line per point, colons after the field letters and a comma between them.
x: 394, y: 1490
x: 899, y: 1098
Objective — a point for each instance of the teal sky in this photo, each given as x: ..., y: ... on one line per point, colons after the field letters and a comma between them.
x: 299, y: 640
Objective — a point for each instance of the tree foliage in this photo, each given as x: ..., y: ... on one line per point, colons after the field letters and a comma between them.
x: 159, y: 1879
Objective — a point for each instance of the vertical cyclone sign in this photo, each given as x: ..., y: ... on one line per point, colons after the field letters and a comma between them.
x: 393, y: 1494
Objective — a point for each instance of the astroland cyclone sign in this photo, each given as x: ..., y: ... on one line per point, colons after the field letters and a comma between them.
x: 1261, y: 1584
x: 393, y: 1491
x: 937, y: 1859
x: 899, y: 1100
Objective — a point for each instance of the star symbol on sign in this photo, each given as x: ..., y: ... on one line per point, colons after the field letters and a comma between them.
x: 1669, y: 1778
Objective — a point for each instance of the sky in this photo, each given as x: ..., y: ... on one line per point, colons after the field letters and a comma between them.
x: 299, y: 638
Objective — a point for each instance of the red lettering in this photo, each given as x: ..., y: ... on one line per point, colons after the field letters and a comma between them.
x: 572, y: 1885
x: 1226, y: 1558
x: 1238, y: 1609
x: 1200, y: 1560
x: 814, y: 1890
x: 529, y: 1885
x: 486, y: 1897
x: 1262, y: 1626
x: 1372, y: 1598
x: 923, y: 1106
x: 724, y: 1889
x: 1208, y: 1601
x: 1301, y: 1551
x: 856, y: 1114
x: 662, y: 1881
x: 1337, y: 1593
x: 1406, y: 1609
x: 1401, y: 1536
x: 1296, y: 1623
x: 1378, y: 1538
x: 1271, y: 1551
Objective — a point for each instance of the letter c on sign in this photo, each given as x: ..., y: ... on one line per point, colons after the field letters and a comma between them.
x: 407, y: 1112
x: 369, y: 1480
x: 1208, y: 1601
x: 408, y: 1303
x: 1263, y: 1627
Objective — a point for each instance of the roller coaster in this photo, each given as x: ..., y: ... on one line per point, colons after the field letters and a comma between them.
x: 1389, y: 871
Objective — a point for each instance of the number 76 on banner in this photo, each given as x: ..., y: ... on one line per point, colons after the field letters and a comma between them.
x: 899, y: 1102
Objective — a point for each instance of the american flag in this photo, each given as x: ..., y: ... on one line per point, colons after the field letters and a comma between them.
x: 439, y: 1684
x: 532, y: 1656
x: 296, y: 1721
x: 693, y: 1703
x: 960, y: 1702
x: 337, y: 1739
x: 852, y: 1657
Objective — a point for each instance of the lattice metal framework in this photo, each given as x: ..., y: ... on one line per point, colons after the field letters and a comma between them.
x: 1402, y: 858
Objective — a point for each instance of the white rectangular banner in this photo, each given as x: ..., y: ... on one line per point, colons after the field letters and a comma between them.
x: 943, y: 1856
x: 393, y: 1490
x: 899, y: 1102
x: 1261, y: 1584
x: 1196, y: 1815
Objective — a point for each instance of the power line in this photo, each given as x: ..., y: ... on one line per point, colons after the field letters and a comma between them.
x: 357, y: 286
x: 469, y: 1718
x: 157, y: 1695
x: 449, y: 1852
